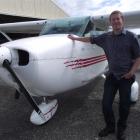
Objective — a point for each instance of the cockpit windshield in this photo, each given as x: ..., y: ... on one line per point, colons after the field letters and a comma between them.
x: 75, y: 25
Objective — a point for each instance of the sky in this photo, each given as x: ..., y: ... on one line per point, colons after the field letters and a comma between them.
x: 97, y: 7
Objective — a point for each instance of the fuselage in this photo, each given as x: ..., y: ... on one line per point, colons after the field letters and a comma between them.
x: 51, y: 64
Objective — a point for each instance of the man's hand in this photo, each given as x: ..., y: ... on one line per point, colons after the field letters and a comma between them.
x: 72, y: 37
x: 133, y: 69
x: 128, y: 75
x: 83, y: 39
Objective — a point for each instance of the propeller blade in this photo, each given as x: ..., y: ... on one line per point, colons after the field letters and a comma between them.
x: 6, y: 64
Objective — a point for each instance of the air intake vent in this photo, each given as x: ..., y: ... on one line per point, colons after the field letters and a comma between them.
x: 23, y: 57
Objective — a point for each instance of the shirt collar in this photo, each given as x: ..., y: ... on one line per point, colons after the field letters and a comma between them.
x: 122, y: 32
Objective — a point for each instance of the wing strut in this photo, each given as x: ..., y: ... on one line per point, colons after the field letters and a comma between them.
x: 6, y: 64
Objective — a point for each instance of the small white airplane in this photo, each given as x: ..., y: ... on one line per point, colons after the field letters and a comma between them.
x: 51, y: 63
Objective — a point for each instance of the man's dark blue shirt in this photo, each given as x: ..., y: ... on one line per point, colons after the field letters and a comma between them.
x: 121, y: 50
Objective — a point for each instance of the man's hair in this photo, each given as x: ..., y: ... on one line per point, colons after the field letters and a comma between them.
x: 116, y: 12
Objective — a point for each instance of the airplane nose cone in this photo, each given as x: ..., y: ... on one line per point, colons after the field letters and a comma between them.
x: 5, y: 54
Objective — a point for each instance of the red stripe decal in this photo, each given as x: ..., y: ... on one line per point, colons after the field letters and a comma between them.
x: 80, y: 63
x: 86, y: 65
x: 85, y: 59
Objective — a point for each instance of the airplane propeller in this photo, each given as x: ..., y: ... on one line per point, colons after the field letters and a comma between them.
x: 38, y: 117
x: 6, y: 64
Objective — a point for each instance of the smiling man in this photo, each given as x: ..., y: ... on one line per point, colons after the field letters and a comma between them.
x: 123, y: 54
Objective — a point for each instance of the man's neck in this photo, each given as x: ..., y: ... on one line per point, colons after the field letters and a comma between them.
x: 117, y: 32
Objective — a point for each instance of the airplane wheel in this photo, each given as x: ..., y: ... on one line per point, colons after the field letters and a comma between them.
x: 134, y: 92
x: 48, y: 110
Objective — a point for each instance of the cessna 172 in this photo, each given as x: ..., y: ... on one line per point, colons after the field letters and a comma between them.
x: 51, y: 63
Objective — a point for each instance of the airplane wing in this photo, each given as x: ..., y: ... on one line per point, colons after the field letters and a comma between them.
x: 17, y: 24
x: 132, y: 20
x: 31, y: 27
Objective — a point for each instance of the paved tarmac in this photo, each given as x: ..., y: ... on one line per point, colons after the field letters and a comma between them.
x: 79, y: 116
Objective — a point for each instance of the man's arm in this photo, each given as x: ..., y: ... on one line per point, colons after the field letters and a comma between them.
x: 133, y: 69
x: 83, y: 39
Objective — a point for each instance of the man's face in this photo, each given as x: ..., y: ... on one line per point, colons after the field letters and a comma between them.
x: 116, y: 22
